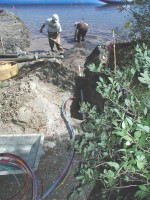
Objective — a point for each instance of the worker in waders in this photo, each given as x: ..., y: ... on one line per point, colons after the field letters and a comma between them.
x: 81, y: 28
x: 53, y: 29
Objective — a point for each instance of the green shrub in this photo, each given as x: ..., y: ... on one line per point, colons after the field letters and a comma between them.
x: 115, y: 146
x: 137, y: 24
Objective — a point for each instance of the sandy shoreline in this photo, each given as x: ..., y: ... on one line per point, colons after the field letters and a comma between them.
x: 41, y: 43
x: 91, y: 41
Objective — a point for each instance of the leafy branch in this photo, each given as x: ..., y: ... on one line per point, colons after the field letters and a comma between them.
x: 115, y: 146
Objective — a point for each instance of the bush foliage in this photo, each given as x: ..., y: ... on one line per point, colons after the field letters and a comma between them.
x: 115, y: 144
x: 137, y: 25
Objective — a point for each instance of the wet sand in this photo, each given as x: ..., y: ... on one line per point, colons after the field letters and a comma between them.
x: 39, y: 44
x: 42, y: 44
x: 91, y: 41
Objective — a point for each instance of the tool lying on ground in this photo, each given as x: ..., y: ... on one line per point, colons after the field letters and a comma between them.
x: 27, y: 56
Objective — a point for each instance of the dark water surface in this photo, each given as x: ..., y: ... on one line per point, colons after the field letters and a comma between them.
x: 101, y: 19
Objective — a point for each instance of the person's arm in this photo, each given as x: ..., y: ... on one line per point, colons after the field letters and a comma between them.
x: 41, y: 30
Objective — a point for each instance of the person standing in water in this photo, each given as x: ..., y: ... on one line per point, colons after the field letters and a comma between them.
x: 81, y: 28
x: 53, y: 29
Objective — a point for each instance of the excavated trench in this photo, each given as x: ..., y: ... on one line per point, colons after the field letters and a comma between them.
x: 85, y: 91
x: 85, y: 86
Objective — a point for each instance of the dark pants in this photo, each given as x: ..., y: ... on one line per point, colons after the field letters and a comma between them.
x: 81, y: 33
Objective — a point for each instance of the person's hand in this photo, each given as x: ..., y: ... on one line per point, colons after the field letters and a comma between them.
x: 55, y: 40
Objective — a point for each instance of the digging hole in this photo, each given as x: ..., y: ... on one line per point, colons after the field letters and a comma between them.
x: 85, y: 90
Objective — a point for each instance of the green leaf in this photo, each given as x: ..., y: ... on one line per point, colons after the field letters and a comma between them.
x: 80, y: 177
x: 145, y: 78
x: 140, y: 165
x: 111, y: 80
x: 136, y: 62
x: 121, y: 133
x: 143, y: 187
x: 122, y: 150
x: 128, y: 138
x: 133, y: 71
x: 127, y: 178
x: 140, y: 156
x: 119, y: 95
x: 137, y: 135
x: 144, y: 128
x: 93, y: 153
x: 113, y: 164
x: 142, y: 139
x: 89, y: 172
x: 92, y: 145
x: 128, y: 143
x: 129, y: 120
x: 117, y: 111
x: 89, y: 135
x: 145, y: 111
x: 141, y: 194
x: 147, y: 175
x: 123, y: 125
x: 127, y: 102
x: 92, y: 67
x: 115, y: 122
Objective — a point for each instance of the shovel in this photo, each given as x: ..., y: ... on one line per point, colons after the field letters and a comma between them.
x: 56, y: 42
x: 59, y: 44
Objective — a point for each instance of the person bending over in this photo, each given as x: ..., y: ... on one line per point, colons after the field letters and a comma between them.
x: 54, y: 29
x: 81, y: 28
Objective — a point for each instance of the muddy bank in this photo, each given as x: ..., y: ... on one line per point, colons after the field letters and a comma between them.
x: 13, y: 32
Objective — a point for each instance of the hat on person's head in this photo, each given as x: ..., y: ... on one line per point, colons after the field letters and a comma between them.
x: 55, y: 17
x: 75, y: 24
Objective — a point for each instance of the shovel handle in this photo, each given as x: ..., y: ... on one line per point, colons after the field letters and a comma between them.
x: 55, y: 41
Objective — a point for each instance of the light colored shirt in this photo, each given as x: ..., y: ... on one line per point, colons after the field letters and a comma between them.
x: 53, y: 27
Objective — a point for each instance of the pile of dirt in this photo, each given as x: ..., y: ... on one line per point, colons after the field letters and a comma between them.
x: 13, y: 32
x: 31, y: 103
